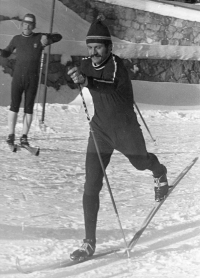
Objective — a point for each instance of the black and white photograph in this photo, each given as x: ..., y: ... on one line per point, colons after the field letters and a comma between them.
x: 99, y: 138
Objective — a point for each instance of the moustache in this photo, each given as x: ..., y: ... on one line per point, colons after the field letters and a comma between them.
x: 95, y: 55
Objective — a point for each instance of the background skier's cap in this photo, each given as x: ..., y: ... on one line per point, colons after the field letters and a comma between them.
x: 29, y: 18
x: 98, y: 32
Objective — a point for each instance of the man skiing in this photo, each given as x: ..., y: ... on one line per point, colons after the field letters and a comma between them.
x: 114, y: 124
x: 28, y: 47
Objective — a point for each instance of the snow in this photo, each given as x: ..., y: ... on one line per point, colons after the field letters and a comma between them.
x: 41, y: 219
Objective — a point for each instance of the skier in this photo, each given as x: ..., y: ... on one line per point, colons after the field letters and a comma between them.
x: 114, y: 124
x: 28, y: 46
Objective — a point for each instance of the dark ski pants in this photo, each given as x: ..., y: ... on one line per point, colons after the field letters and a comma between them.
x: 139, y: 158
x: 94, y: 173
x: 27, y: 84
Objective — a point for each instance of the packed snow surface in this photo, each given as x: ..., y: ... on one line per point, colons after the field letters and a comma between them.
x: 41, y: 218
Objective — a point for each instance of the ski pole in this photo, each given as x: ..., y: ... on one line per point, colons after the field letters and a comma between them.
x: 103, y: 169
x: 39, y: 82
x: 40, y: 74
x: 144, y: 122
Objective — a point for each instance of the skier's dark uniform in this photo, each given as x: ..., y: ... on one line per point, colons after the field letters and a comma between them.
x: 114, y: 121
x: 115, y: 127
x: 28, y: 47
x: 26, y: 71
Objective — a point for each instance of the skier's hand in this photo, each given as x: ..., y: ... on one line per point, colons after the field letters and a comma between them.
x: 77, y: 77
x: 44, y: 40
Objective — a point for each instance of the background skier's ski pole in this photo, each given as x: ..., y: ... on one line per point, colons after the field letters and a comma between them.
x: 103, y: 169
x: 39, y: 87
x: 40, y: 76
x: 144, y: 122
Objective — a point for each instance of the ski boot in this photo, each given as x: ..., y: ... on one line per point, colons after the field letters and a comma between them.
x: 161, y: 186
x: 10, y: 139
x: 86, y: 250
x: 24, y: 141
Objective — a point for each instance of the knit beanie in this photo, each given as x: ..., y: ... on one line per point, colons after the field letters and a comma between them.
x: 98, y: 32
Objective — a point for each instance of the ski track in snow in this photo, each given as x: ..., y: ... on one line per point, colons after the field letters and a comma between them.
x: 41, y: 219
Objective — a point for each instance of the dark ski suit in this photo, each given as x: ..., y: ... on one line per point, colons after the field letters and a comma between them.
x: 115, y: 126
x: 26, y: 71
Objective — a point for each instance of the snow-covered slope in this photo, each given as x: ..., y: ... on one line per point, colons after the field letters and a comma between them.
x: 41, y: 217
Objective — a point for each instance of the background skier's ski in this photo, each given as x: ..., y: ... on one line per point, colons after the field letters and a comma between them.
x: 152, y: 213
x: 33, y: 150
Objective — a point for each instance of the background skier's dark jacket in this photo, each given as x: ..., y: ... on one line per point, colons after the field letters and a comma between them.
x: 28, y: 50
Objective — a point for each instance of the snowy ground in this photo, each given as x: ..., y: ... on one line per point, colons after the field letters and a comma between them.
x: 41, y: 217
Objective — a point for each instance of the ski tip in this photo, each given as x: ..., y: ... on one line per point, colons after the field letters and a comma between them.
x: 13, y: 148
x: 37, y: 152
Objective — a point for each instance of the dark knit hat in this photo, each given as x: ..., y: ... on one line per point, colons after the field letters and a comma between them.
x: 98, y: 32
x: 29, y: 18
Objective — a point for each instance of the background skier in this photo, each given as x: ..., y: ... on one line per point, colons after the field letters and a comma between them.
x: 28, y: 47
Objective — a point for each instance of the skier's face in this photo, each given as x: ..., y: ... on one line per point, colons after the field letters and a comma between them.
x: 27, y: 28
x: 98, y: 52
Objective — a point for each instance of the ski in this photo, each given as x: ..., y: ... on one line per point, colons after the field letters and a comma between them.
x: 33, y: 150
x: 61, y: 264
x: 156, y: 207
x: 132, y: 243
x: 13, y: 148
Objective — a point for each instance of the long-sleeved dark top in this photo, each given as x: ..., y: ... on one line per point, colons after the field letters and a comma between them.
x: 111, y: 90
x: 28, y: 50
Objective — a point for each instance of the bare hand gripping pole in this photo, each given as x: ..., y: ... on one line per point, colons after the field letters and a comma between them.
x: 104, y: 172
